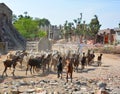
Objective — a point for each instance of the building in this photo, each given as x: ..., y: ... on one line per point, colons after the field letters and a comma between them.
x: 8, y: 33
x: 117, y: 35
x: 113, y: 35
x: 53, y: 31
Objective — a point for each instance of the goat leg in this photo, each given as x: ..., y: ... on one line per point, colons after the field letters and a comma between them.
x: 67, y: 77
x: 21, y: 64
x: 4, y: 72
x: 13, y: 71
x: 71, y: 77
x: 26, y: 69
x: 31, y: 70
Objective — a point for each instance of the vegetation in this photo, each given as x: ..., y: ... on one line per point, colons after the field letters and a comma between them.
x: 79, y: 28
x: 94, y: 26
x: 33, y: 28
x: 29, y: 27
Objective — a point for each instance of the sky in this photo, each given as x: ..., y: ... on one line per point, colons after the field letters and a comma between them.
x: 58, y: 11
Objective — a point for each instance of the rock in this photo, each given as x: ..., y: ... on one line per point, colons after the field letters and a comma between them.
x: 53, y: 83
x: 102, y: 92
x: 75, y: 89
x: 56, y: 92
x: 115, y: 91
x: 32, y: 82
x: 42, y: 83
x: 23, y: 82
x: 15, y: 92
x: 1, y: 80
x: 5, y: 86
x: 77, y: 92
x: 83, y: 88
x: 30, y: 90
x: 40, y: 91
x: 78, y: 83
x: 101, y: 85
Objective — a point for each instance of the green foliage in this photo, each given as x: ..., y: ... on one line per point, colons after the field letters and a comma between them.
x: 68, y: 29
x: 94, y: 26
x: 29, y: 27
x: 42, y: 34
x: 81, y: 28
x: 42, y: 22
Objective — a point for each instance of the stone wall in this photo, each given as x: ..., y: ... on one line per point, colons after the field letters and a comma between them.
x: 7, y: 31
x: 5, y: 11
x: 44, y: 44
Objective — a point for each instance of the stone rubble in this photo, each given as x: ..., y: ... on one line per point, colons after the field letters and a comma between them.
x: 79, y: 85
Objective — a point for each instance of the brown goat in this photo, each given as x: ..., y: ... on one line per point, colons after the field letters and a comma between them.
x: 99, y: 59
x: 9, y: 63
x: 69, y: 68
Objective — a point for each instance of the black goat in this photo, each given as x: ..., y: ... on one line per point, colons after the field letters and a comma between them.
x: 34, y: 63
x: 59, y: 67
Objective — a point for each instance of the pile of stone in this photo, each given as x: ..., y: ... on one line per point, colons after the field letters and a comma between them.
x: 79, y: 85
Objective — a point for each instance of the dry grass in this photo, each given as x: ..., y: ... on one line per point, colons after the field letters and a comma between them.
x: 108, y: 49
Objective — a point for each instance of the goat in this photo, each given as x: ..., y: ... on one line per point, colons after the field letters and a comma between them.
x: 54, y: 61
x: 76, y: 61
x: 21, y: 55
x: 99, y: 59
x: 9, y: 63
x: 59, y: 67
x: 83, y: 61
x: 90, y: 57
x: 10, y: 55
x: 69, y: 68
x: 46, y: 61
x: 34, y: 63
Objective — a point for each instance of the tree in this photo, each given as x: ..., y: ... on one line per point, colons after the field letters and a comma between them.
x: 94, y: 26
x: 41, y: 34
x: 65, y: 31
x: 42, y: 22
x: 68, y: 29
x: 29, y: 27
x: 78, y: 25
x: 26, y: 25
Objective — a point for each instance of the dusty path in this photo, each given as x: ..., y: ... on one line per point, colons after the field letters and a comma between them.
x: 109, y: 72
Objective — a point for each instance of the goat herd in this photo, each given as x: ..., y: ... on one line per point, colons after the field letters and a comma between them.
x: 50, y: 61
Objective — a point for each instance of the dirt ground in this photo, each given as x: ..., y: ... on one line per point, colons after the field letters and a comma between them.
x: 110, y: 67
